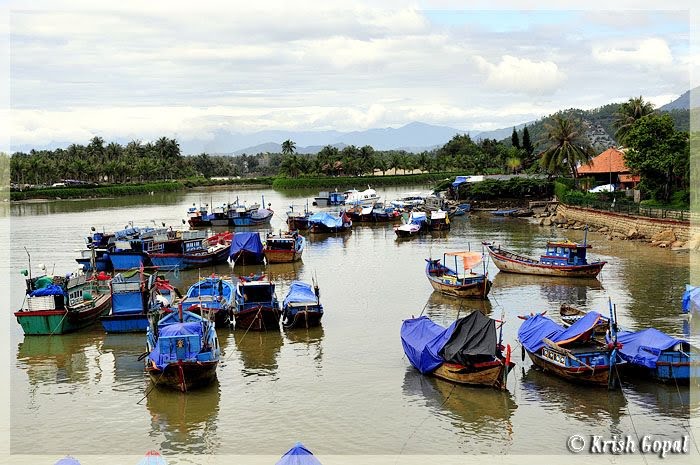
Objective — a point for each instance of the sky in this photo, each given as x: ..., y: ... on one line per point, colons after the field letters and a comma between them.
x: 141, y: 71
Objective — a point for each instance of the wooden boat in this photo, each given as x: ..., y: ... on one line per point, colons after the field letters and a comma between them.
x: 324, y: 222
x: 183, y: 350
x: 284, y: 248
x: 133, y: 295
x: 256, y: 306
x: 360, y: 213
x: 438, y: 221
x: 570, y: 315
x: 182, y: 250
x: 301, y: 307
x: 448, y: 281
x: 414, y: 224
x: 467, y: 352
x: 63, y: 304
x: 384, y: 214
x: 246, y: 249
x: 298, y: 455
x: 211, y: 297
x: 298, y: 220
x: 567, y: 259
x: 570, y: 353
x: 651, y: 353
x: 198, y: 217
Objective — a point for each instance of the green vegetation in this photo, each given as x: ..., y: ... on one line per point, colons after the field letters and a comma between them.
x: 629, y: 112
x: 343, y: 182
x: 565, y: 144
x: 514, y: 188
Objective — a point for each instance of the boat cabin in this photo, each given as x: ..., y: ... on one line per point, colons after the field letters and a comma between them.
x: 564, y: 254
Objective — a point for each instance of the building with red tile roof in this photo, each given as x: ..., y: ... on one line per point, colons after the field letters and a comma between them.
x: 609, y: 168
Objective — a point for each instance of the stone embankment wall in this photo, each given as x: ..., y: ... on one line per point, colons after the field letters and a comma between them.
x: 660, y: 232
x: 624, y: 224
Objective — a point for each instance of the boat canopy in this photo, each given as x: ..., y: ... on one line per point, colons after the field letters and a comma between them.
x: 212, y: 286
x: 418, y: 218
x: 469, y: 259
x: 300, y: 292
x: 422, y: 339
x: 175, y: 342
x: 644, y: 347
x: 691, y: 298
x: 326, y: 219
x: 298, y: 455
x: 246, y: 241
x: 473, y: 335
x: 535, y: 329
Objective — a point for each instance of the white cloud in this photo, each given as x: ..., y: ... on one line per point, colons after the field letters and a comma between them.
x: 651, y: 52
x: 513, y: 74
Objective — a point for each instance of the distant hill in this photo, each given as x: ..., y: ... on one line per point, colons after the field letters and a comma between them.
x: 682, y: 102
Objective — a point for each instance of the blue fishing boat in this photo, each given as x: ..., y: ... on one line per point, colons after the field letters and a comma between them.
x: 256, y: 305
x: 246, y: 249
x: 134, y: 294
x: 301, y: 307
x: 414, y: 224
x: 298, y: 219
x: 241, y: 215
x: 328, y: 199
x: 655, y: 354
x: 182, y: 250
x: 211, y: 296
x: 128, y: 251
x: 95, y: 257
x: 325, y: 222
x: 298, y: 455
x: 504, y: 212
x: 570, y: 353
x: 466, y: 352
x: 198, y: 216
x: 183, y: 350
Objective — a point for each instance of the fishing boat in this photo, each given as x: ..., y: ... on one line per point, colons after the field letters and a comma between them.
x: 182, y: 250
x: 504, y: 212
x: 654, y: 354
x: 198, y: 217
x: 298, y: 455
x: 134, y: 294
x: 570, y: 315
x: 152, y: 457
x: 182, y: 350
x: 409, y: 200
x: 329, y: 199
x: 438, y: 221
x: 570, y: 353
x: 385, y: 214
x: 211, y: 297
x: 298, y: 219
x: 414, y: 224
x: 284, y: 248
x: 256, y: 305
x: 63, y: 304
x: 566, y: 259
x: 325, y: 222
x: 360, y: 213
x: 301, y: 307
x: 448, y: 281
x: 366, y: 197
x: 95, y: 257
x: 246, y: 249
x: 246, y: 216
x: 466, y: 352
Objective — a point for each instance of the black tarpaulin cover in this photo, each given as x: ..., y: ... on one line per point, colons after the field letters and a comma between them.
x: 474, y: 335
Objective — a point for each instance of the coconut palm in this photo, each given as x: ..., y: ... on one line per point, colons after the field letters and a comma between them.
x: 629, y: 112
x: 288, y: 147
x: 566, y: 145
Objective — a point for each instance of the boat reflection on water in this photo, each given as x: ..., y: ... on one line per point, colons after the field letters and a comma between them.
x: 307, y: 343
x: 284, y: 272
x: 553, y: 288
x: 554, y: 394
x: 126, y: 349
x: 667, y: 399
x: 324, y: 240
x: 188, y: 422
x: 59, y: 359
x: 258, y: 350
x: 479, y: 413
x: 444, y: 309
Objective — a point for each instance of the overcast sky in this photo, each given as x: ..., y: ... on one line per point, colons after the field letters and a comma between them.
x: 177, y: 71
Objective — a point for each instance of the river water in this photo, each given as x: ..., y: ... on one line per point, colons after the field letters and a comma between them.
x: 345, y: 388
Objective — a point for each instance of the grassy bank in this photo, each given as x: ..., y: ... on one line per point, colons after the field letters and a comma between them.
x: 358, y: 182
x: 120, y: 190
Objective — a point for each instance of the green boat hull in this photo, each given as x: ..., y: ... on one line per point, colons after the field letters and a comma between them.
x: 48, y: 322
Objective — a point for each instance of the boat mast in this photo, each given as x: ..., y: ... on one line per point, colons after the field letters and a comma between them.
x: 29, y: 260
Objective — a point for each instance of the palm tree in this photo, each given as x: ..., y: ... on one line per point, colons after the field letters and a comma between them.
x: 566, y: 145
x: 288, y: 147
x: 629, y: 112
x: 291, y: 165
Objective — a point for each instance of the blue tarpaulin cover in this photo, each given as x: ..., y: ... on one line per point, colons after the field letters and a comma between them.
x: 51, y: 289
x: 644, y: 347
x: 537, y: 328
x: 247, y: 241
x: 300, y: 292
x: 127, y: 302
x: 153, y: 458
x: 422, y: 340
x: 298, y: 455
x: 175, y: 329
x: 691, y: 298
x: 459, y: 180
x: 326, y: 219
x: 67, y: 461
